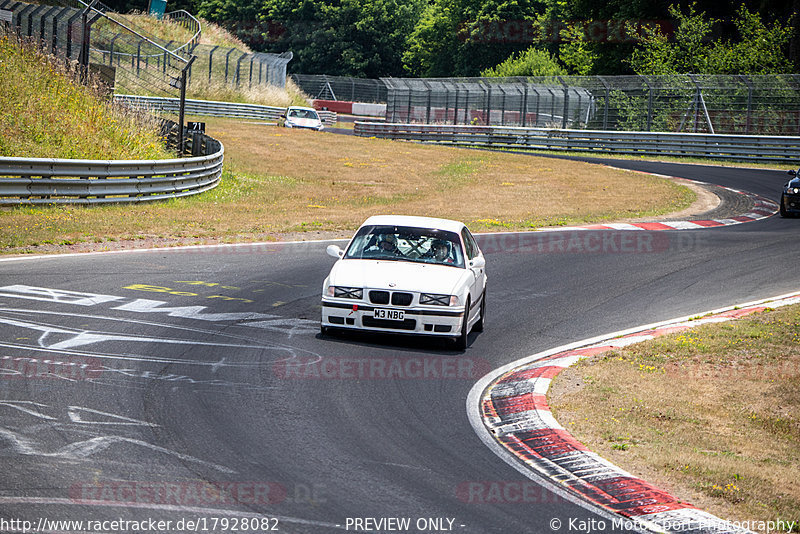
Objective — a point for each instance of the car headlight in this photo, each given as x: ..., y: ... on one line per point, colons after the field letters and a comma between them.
x: 346, y: 292
x: 438, y: 300
x: 793, y: 190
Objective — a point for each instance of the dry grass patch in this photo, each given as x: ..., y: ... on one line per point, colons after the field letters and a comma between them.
x: 281, y: 181
x: 713, y: 414
x: 487, y: 190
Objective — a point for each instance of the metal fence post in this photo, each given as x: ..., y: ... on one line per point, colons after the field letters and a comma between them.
x: 566, y: 103
x: 70, y: 23
x: 227, y: 62
x: 749, y: 103
x: 22, y: 14
x: 408, y: 107
x: 111, y: 49
x: 182, y: 111
x: 428, y: 104
x: 166, y: 46
x: 489, y: 105
x: 86, y: 23
x: 211, y: 62
x: 45, y: 17
x: 608, y: 103
x: 649, y: 103
x: 66, y: 10
x: 30, y: 19
x: 525, y: 107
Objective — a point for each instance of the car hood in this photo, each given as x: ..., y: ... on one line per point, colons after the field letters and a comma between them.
x: 305, y: 123
x: 407, y: 276
x: 794, y: 182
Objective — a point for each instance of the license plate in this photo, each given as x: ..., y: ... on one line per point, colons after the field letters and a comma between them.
x: 391, y: 315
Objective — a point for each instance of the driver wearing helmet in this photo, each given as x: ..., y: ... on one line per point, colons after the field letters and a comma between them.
x: 388, y: 244
x: 440, y: 250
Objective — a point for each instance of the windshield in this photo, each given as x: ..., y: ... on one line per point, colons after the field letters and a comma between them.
x: 303, y: 114
x: 421, y: 245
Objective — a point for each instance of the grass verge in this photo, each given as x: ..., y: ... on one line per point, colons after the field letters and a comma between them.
x: 47, y: 115
x: 711, y: 414
x: 282, y: 181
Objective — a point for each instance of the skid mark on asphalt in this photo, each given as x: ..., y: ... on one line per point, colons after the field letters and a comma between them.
x: 24, y: 441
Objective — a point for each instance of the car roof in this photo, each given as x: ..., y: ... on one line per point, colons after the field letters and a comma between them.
x: 414, y: 222
x: 301, y: 107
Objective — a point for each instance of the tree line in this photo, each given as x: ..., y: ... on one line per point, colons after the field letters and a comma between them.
x: 446, y: 38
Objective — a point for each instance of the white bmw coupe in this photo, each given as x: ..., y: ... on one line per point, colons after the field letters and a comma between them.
x: 412, y: 275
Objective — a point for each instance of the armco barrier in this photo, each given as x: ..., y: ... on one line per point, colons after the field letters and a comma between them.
x: 74, y: 181
x: 212, y: 108
x: 734, y: 147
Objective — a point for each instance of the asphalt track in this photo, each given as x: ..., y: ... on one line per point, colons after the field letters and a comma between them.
x: 180, y: 385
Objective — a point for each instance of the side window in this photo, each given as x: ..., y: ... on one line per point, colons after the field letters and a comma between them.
x: 469, y: 243
x: 475, y: 248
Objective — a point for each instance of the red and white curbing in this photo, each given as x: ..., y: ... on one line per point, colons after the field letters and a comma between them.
x: 515, y: 417
x: 762, y: 208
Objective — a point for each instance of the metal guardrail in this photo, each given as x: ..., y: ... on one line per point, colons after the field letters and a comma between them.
x: 211, y: 108
x: 75, y: 181
x: 733, y: 147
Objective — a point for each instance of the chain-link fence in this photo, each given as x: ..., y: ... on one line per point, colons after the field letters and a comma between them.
x: 240, y: 69
x: 324, y: 87
x: 143, y: 64
x: 765, y: 105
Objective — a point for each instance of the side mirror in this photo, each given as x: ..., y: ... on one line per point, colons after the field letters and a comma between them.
x: 478, y: 263
x: 283, y: 115
x: 335, y: 251
x: 791, y: 172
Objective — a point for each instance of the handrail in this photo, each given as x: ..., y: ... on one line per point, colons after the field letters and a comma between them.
x: 191, y: 23
x: 714, y: 146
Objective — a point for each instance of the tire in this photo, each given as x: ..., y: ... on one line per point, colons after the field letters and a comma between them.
x: 323, y: 331
x: 461, y: 341
x: 478, y: 327
x: 783, y: 207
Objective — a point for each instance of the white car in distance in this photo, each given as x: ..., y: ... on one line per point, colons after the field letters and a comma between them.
x: 300, y: 117
x: 407, y: 275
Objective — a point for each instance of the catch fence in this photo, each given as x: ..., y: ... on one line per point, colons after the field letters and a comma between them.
x: 749, y: 105
x: 324, y: 87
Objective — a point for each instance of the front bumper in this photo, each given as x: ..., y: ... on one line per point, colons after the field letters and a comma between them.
x: 298, y: 127
x: 791, y: 203
x: 424, y: 320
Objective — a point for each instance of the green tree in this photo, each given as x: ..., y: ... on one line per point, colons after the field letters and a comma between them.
x: 363, y: 38
x: 530, y: 62
x: 761, y: 49
x: 464, y: 37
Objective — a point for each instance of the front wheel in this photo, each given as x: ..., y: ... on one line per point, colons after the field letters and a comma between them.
x: 461, y: 341
x: 783, y: 207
